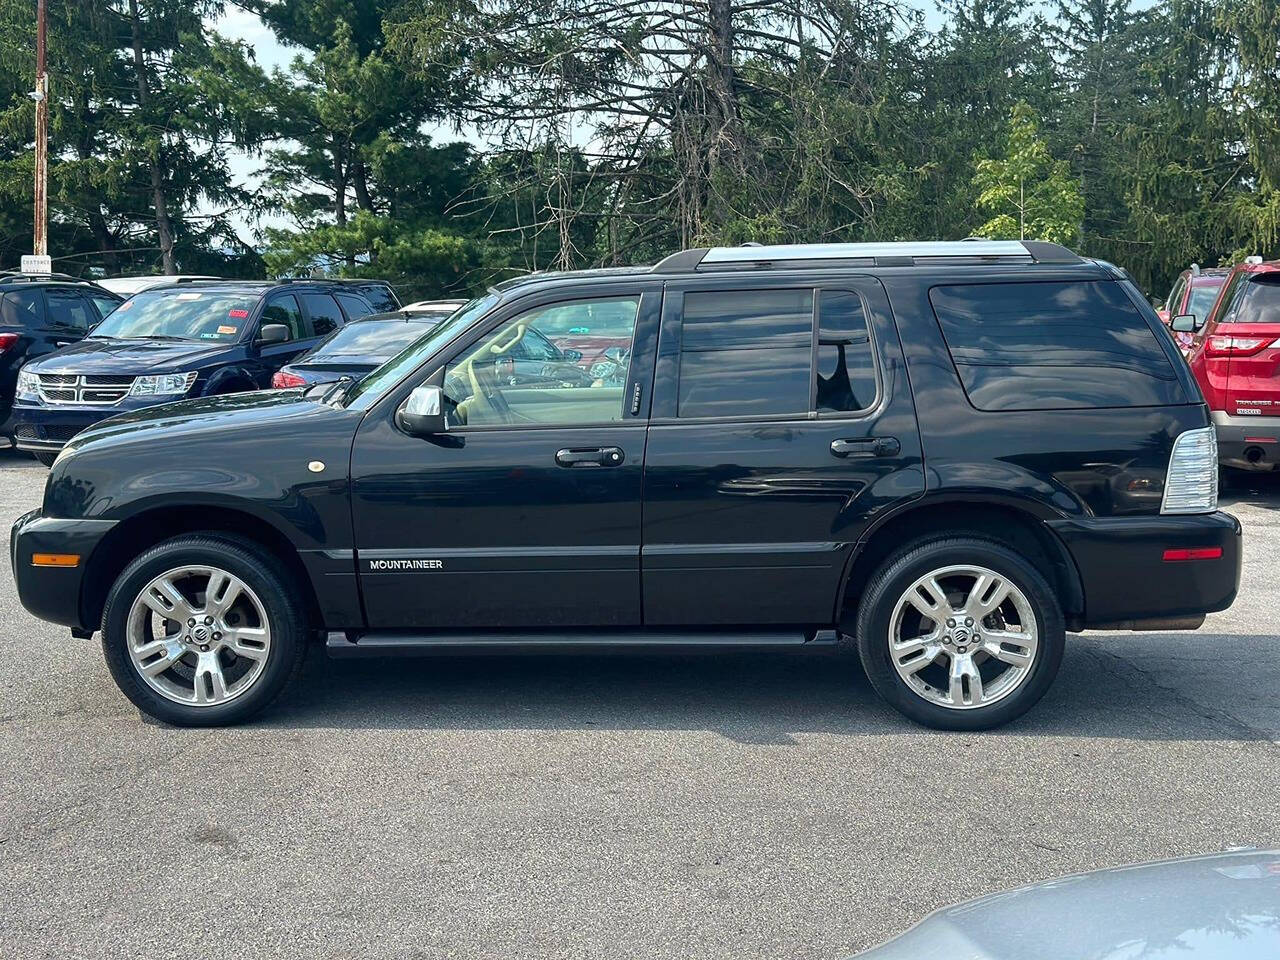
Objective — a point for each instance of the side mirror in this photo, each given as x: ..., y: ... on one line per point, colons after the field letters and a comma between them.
x: 573, y: 356
x: 273, y: 333
x: 1184, y: 323
x: 422, y: 414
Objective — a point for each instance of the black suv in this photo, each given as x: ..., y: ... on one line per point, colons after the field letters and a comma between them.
x: 40, y: 313
x: 946, y: 455
x: 193, y: 338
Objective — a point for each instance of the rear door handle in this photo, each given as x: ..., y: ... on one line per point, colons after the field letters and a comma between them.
x: 593, y: 457
x: 866, y: 447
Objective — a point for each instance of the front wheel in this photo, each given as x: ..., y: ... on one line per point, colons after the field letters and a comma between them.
x: 200, y: 631
x: 46, y: 458
x: 960, y: 633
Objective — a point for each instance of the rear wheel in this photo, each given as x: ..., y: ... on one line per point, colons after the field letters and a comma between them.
x: 200, y: 631
x: 960, y: 633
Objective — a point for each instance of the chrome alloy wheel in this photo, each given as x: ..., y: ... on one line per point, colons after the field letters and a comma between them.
x: 198, y: 635
x: 963, y: 637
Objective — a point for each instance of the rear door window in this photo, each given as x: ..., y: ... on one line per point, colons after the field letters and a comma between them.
x: 69, y: 310
x: 745, y: 353
x: 324, y: 313
x: 774, y: 353
x: 1053, y: 345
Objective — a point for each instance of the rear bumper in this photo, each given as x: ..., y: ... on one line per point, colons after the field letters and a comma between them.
x: 1126, y: 579
x: 1248, y: 443
x: 53, y: 593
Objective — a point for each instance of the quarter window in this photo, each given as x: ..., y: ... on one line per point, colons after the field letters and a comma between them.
x: 521, y: 373
x: 20, y: 309
x: 1049, y: 346
x: 846, y: 372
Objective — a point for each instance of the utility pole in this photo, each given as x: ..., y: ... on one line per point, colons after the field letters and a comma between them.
x: 41, y: 97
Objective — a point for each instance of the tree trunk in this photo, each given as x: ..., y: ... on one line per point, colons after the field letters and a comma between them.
x: 164, y: 231
x: 359, y: 179
x: 339, y: 186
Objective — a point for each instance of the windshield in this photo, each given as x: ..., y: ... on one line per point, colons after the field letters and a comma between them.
x: 404, y: 362
x: 1201, y: 299
x: 180, y: 315
x: 376, y: 338
x: 1259, y: 301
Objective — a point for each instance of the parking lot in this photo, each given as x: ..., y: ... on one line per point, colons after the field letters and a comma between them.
x: 608, y: 806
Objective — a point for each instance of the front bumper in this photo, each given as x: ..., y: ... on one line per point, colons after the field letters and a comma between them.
x: 54, y: 593
x: 1248, y: 443
x: 47, y: 427
x: 1126, y: 578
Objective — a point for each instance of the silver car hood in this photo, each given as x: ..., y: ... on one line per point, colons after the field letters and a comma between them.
x: 1218, y: 907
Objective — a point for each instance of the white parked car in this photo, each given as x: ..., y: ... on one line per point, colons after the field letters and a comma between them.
x: 442, y: 307
x: 128, y: 286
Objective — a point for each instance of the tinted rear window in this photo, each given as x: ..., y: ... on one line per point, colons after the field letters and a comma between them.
x: 745, y: 353
x: 376, y: 338
x: 1258, y: 300
x: 1048, y: 346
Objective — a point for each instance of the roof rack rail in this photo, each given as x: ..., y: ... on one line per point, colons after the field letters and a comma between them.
x: 20, y: 275
x: 881, y: 254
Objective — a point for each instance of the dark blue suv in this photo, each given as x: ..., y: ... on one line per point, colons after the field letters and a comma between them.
x: 191, y: 339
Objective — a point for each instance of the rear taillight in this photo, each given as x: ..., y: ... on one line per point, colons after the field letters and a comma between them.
x: 7, y: 340
x: 284, y: 381
x: 1222, y: 345
x: 1191, y: 484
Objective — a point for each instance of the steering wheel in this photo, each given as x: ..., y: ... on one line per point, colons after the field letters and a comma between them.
x: 486, y: 396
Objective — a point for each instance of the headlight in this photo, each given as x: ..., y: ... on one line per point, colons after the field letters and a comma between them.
x: 162, y: 385
x: 28, y: 386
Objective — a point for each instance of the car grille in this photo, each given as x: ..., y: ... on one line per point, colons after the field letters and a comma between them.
x: 77, y: 388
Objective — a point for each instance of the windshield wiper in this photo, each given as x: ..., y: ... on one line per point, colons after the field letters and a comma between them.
x: 339, y: 387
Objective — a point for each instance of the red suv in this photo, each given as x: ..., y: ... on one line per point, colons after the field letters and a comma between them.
x: 1193, y: 293
x: 1235, y: 355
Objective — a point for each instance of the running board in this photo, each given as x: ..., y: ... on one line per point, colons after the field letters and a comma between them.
x: 394, y: 644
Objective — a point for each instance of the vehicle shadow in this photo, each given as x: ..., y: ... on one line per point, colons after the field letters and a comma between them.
x: 1238, y: 487
x: 748, y: 697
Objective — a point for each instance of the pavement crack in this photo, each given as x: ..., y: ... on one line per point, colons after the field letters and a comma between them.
x: 1242, y: 729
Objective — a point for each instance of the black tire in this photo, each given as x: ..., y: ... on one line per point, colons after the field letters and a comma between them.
x: 45, y: 458
x: 258, y: 569
x: 914, y: 561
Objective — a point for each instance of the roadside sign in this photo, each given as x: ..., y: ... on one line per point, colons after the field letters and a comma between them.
x: 42, y: 263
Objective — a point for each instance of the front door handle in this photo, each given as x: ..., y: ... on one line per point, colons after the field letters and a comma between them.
x: 866, y: 447
x: 593, y: 457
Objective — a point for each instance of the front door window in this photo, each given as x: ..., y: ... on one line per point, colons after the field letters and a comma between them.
x: 563, y: 365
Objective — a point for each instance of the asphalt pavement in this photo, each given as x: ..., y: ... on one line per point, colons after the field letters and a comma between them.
x: 682, y: 806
